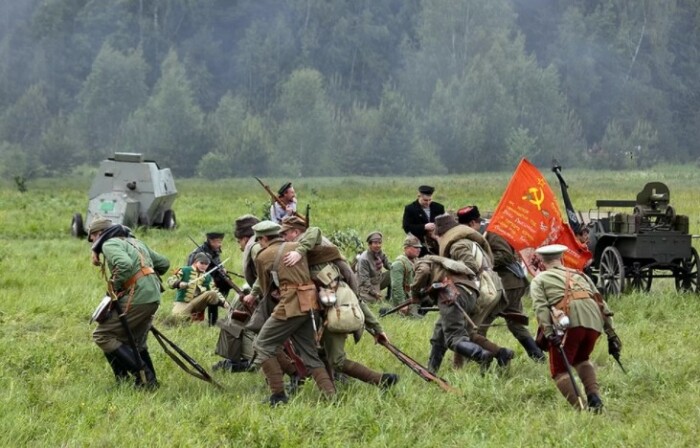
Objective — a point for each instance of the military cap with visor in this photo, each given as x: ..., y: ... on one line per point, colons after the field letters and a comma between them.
x: 215, y: 235
x: 374, y: 236
x: 266, y: 228
x: 551, y: 250
x: 411, y: 241
x: 292, y: 222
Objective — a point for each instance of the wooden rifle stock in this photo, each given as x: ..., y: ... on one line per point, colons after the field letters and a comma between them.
x: 414, y: 365
x: 396, y: 308
x: 278, y: 199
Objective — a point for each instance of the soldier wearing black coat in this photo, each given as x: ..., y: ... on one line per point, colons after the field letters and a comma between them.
x: 419, y: 218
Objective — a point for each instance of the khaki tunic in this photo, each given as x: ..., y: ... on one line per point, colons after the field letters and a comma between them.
x: 290, y: 277
x: 401, y: 278
x: 547, y: 289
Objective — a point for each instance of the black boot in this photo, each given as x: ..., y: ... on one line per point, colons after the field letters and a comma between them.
x: 471, y: 350
x: 503, y: 357
x: 278, y: 399
x: 127, y: 358
x: 388, y: 380
x: 212, y: 314
x: 532, y: 350
x: 120, y: 372
x: 437, y: 352
x: 595, y: 404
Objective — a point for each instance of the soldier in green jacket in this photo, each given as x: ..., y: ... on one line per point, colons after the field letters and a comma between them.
x: 134, y: 269
x: 195, y: 289
x: 373, y: 269
x: 402, y: 275
x: 563, y: 291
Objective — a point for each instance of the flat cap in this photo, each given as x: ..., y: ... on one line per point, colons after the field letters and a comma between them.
x: 98, y: 224
x: 243, y: 226
x: 285, y: 186
x: 215, y: 235
x: 266, y: 228
x: 411, y: 241
x: 552, y: 249
x: 426, y: 189
x: 292, y: 222
x: 468, y: 214
x: 375, y: 235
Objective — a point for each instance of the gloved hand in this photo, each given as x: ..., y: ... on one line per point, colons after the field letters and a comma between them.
x: 555, y: 339
x: 614, y: 346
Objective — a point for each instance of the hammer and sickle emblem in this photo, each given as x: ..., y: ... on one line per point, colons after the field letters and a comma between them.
x: 535, y: 196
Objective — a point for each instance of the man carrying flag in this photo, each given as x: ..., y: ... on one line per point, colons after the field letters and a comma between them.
x: 528, y: 217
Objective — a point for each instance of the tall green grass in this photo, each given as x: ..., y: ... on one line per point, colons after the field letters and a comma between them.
x: 57, y: 390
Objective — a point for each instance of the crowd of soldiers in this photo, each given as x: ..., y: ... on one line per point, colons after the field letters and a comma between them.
x: 302, y: 299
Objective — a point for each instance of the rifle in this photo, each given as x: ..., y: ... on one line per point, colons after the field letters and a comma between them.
x: 567, y: 364
x: 200, y: 373
x: 414, y: 365
x: 408, y: 302
x: 279, y: 200
x: 221, y: 275
x: 298, y: 363
x: 396, y: 308
x: 574, y: 222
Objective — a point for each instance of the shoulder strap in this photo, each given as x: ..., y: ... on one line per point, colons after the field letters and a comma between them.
x: 276, y: 263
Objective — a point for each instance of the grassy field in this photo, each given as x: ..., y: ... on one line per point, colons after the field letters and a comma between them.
x: 57, y: 389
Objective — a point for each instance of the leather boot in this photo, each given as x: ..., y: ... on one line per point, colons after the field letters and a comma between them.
x: 286, y: 364
x: 361, y: 372
x: 128, y: 360
x: 323, y: 381
x: 471, y: 350
x: 437, y: 352
x: 586, y: 372
x: 595, y: 404
x: 212, y: 314
x: 563, y: 382
x: 504, y: 356
x: 273, y: 374
x: 484, y: 343
x: 532, y: 350
x: 120, y: 372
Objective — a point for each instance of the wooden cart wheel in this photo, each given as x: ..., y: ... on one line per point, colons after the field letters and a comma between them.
x: 612, y: 271
x: 640, y: 281
x: 688, y: 277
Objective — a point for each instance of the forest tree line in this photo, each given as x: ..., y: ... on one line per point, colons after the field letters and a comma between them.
x: 221, y: 88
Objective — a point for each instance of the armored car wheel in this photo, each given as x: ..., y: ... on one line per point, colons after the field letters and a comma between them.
x: 612, y: 272
x: 169, y: 221
x: 76, y: 226
x: 688, y: 276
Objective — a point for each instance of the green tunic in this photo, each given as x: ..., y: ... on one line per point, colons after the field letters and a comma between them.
x: 401, y: 278
x: 124, y: 261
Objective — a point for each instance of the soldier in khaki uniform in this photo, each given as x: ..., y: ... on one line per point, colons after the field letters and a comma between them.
x: 449, y: 284
x: 291, y: 317
x: 462, y: 243
x: 573, y: 293
x: 373, y: 269
x: 327, y: 273
x: 507, y: 266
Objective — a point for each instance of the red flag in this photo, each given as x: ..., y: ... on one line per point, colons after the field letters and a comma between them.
x: 528, y: 217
